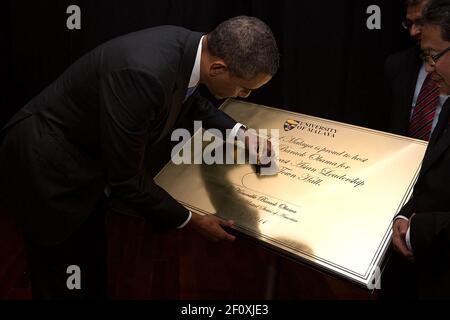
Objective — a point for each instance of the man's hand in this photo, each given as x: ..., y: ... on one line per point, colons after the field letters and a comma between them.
x: 211, y: 227
x: 259, y: 148
x: 400, y: 228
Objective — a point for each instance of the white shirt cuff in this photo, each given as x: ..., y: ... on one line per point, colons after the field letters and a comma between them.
x: 408, y: 236
x: 234, y: 132
x: 408, y: 239
x: 186, y: 222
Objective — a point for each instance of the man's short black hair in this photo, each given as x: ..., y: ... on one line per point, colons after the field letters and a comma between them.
x: 247, y: 45
x: 437, y: 12
x: 412, y: 3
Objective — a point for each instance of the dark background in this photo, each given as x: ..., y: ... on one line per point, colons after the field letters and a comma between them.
x: 331, y: 64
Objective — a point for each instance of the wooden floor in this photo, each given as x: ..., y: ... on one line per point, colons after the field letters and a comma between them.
x: 144, y: 264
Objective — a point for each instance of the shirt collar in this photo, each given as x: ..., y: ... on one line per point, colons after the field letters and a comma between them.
x: 195, y: 75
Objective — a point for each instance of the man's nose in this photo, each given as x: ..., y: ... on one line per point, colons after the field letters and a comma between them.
x: 429, y: 68
x: 415, y: 30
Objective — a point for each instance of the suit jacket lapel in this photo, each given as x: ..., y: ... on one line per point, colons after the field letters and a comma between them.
x: 410, y: 79
x: 413, y: 72
x: 440, y: 139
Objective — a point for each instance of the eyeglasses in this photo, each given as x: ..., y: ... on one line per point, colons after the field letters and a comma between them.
x: 433, y: 59
x: 407, y: 24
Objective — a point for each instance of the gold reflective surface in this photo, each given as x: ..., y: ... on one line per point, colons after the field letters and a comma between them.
x: 332, y: 202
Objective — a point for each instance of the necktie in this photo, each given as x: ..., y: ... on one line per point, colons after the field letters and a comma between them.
x: 425, y: 109
x: 189, y: 92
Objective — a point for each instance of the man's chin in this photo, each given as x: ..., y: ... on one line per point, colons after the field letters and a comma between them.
x: 444, y: 88
x: 418, y: 40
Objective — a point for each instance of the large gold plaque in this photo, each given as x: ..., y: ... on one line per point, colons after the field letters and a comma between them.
x: 331, y: 204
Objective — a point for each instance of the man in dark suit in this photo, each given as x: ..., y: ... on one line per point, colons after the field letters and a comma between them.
x: 420, y: 268
x: 413, y: 102
x: 79, y: 145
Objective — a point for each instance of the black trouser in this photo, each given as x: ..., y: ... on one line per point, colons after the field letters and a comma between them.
x: 86, y: 248
x: 398, y: 280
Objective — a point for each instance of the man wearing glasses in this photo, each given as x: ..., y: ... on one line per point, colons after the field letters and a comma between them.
x: 412, y: 97
x: 420, y: 265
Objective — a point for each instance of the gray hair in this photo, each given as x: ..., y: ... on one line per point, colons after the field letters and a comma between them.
x: 437, y: 12
x: 247, y: 45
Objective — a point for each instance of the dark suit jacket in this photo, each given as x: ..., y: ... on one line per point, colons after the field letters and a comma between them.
x: 401, y: 71
x: 91, y: 127
x: 430, y: 227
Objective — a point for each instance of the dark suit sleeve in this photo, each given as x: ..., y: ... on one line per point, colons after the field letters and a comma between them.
x: 407, y: 209
x: 430, y: 235
x: 130, y: 100
x: 202, y: 109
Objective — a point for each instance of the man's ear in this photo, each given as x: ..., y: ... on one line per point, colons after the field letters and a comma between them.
x: 217, y: 68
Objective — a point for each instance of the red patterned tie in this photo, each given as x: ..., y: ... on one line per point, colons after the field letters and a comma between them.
x: 423, y: 115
